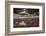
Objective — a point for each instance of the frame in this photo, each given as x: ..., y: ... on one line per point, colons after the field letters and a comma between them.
x: 10, y: 30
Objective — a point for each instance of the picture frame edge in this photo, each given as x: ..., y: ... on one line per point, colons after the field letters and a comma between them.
x: 6, y: 27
